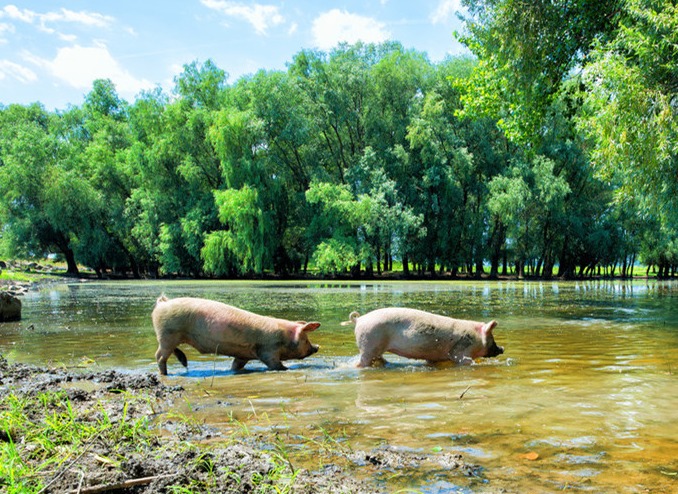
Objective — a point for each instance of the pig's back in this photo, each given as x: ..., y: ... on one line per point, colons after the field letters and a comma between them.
x: 212, y: 327
x: 188, y: 309
x: 410, y: 332
x: 402, y: 317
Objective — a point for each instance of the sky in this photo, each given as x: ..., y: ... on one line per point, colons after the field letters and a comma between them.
x: 52, y: 50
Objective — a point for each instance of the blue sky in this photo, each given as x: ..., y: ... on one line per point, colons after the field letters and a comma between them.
x: 51, y: 50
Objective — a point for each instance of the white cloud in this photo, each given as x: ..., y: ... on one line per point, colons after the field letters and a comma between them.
x: 335, y: 26
x: 44, y: 21
x: 14, y: 13
x: 69, y: 38
x: 5, y: 28
x: 82, y: 17
x: 63, y: 15
x: 16, y: 71
x: 445, y: 10
x: 260, y: 16
x: 79, y: 66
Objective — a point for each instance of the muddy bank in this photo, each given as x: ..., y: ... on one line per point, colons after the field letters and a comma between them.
x: 131, y: 442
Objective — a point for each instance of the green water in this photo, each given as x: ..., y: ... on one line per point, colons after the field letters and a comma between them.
x: 587, y: 381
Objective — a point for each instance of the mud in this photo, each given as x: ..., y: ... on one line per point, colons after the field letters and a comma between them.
x: 183, y: 456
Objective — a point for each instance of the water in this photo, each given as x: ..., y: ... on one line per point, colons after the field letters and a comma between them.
x: 587, y: 384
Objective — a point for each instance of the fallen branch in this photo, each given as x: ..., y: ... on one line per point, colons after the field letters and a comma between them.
x: 122, y: 485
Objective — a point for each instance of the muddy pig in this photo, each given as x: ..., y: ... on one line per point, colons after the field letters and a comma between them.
x: 213, y: 327
x: 417, y: 334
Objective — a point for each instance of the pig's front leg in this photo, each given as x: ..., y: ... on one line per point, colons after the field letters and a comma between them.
x: 272, y: 361
x: 238, y: 364
x: 371, y: 360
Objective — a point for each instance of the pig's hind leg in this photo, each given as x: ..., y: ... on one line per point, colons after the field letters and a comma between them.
x: 163, y: 354
x: 371, y: 360
x: 371, y: 355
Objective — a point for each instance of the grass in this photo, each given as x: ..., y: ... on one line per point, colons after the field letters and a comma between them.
x: 17, y: 276
x: 46, y: 436
x: 43, y: 434
x: 11, y: 276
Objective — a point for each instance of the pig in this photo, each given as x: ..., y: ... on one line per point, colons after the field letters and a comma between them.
x: 417, y: 334
x: 214, y: 327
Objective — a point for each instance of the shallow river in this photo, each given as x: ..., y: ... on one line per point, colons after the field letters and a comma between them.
x: 584, y: 398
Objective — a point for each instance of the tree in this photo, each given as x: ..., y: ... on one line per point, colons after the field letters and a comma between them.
x: 370, y: 154
x: 386, y: 223
x: 614, y: 65
x: 335, y: 227
x: 526, y: 50
x: 179, y: 168
x: 244, y: 240
x: 40, y: 204
x: 631, y: 101
x: 101, y: 132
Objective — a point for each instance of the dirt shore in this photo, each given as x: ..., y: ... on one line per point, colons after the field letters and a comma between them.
x: 174, y: 454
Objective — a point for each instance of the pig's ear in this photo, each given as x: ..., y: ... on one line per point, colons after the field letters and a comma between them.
x: 309, y: 326
x: 487, y: 328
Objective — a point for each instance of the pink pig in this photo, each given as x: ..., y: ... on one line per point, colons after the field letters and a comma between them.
x: 417, y: 334
x: 213, y: 327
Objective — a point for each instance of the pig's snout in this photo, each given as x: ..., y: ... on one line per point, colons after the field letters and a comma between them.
x: 495, y: 350
x: 314, y: 349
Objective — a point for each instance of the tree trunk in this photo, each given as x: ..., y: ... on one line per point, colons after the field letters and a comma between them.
x: 72, y: 266
x: 480, y: 268
x: 135, y: 267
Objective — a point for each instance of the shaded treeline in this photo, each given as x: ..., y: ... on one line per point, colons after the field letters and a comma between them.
x: 350, y: 160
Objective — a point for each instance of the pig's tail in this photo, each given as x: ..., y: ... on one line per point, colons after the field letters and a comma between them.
x: 353, y: 317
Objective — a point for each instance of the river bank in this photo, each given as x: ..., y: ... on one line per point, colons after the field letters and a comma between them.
x: 66, y: 430
x: 21, y: 276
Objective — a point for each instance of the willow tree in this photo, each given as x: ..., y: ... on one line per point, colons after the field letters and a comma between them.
x: 45, y: 204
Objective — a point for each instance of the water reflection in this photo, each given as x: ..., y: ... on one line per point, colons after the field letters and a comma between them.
x: 587, y: 382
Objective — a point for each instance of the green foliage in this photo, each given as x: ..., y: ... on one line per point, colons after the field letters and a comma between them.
x: 607, y: 69
x: 244, y: 241
x: 369, y: 157
x: 335, y: 256
x: 525, y: 51
x: 630, y: 102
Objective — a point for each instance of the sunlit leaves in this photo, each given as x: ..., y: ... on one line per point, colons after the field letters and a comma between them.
x: 631, y: 112
x: 244, y: 241
x: 201, y: 85
x: 526, y: 50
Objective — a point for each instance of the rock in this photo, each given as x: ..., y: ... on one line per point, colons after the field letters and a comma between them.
x: 10, y: 307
